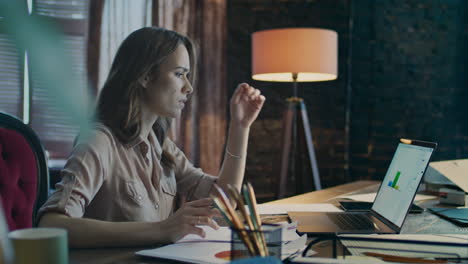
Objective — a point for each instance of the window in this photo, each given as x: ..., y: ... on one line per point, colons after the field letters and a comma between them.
x: 11, y: 77
x: 11, y: 74
x: 23, y: 95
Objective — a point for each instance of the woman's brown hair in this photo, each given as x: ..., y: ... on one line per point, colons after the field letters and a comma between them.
x: 140, y: 55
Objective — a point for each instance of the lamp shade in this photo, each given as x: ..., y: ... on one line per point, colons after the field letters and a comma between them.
x: 312, y: 53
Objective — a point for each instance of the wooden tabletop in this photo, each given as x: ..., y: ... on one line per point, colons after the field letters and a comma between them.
x: 127, y: 255
x: 421, y: 223
x: 330, y: 193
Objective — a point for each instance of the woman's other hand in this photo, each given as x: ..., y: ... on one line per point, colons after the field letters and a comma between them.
x: 246, y: 104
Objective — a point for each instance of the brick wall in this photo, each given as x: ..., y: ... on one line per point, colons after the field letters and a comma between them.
x: 406, y: 78
x: 325, y: 101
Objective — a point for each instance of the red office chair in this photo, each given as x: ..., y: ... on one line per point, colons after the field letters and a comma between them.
x: 24, y: 179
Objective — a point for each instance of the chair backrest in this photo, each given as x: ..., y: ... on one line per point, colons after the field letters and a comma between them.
x: 24, y: 179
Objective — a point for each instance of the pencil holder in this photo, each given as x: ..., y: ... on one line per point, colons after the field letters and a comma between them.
x: 253, y: 239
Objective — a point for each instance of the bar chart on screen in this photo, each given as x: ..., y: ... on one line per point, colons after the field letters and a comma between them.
x: 401, y: 181
x: 393, y: 183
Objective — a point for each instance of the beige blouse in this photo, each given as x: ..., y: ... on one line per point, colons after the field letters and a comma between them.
x: 107, y: 180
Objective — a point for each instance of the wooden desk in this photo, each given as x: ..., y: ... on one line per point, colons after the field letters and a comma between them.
x: 330, y: 193
x: 423, y: 223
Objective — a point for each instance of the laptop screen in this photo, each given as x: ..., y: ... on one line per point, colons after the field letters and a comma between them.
x: 401, y: 182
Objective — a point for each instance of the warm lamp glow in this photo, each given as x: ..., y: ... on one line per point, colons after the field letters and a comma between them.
x: 406, y: 141
x: 312, y: 53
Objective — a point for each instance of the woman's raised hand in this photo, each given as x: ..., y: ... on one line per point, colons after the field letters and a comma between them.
x: 188, y: 217
x: 246, y: 104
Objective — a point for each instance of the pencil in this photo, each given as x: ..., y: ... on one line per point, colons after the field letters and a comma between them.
x: 236, y: 223
x: 249, y: 196
x: 255, y: 236
x: 222, y: 209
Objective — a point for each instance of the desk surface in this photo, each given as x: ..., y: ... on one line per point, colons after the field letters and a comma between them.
x: 420, y: 223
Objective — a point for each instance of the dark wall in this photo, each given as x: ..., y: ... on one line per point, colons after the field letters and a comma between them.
x: 326, y: 101
x: 406, y: 79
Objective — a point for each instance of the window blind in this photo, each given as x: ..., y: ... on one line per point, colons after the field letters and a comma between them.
x: 11, y: 77
x: 68, y: 9
x: 53, y: 126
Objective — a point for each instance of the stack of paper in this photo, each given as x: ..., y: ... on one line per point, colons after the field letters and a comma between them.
x: 347, y: 260
x: 454, y: 171
x: 215, y: 247
x: 410, y: 250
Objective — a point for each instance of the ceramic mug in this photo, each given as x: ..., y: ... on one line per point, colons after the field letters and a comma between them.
x: 40, y: 245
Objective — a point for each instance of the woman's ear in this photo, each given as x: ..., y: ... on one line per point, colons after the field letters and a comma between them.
x: 144, y: 81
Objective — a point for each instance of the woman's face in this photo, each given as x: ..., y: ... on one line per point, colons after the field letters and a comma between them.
x: 167, y: 94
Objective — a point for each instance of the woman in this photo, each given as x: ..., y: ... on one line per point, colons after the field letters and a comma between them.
x: 118, y: 187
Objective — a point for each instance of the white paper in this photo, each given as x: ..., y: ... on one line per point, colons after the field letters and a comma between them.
x: 399, y: 249
x: 455, y: 170
x: 195, y: 249
x: 223, y: 234
x: 347, y: 260
x: 189, y: 252
x: 370, y: 197
x: 273, y: 209
x: 206, y: 252
x: 294, y: 246
x: 289, y: 232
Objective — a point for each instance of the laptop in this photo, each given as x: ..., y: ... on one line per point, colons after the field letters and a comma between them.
x: 392, y: 202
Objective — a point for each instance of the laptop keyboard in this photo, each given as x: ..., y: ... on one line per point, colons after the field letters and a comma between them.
x: 348, y: 221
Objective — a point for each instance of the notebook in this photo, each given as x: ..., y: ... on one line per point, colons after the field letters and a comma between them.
x: 458, y: 216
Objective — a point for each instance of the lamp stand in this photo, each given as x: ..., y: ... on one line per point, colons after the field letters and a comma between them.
x: 295, y: 120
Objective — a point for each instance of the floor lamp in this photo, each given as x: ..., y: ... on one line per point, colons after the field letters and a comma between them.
x: 295, y: 55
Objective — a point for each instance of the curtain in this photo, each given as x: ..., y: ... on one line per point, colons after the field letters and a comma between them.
x: 94, y: 43
x: 119, y: 19
x: 201, y: 130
